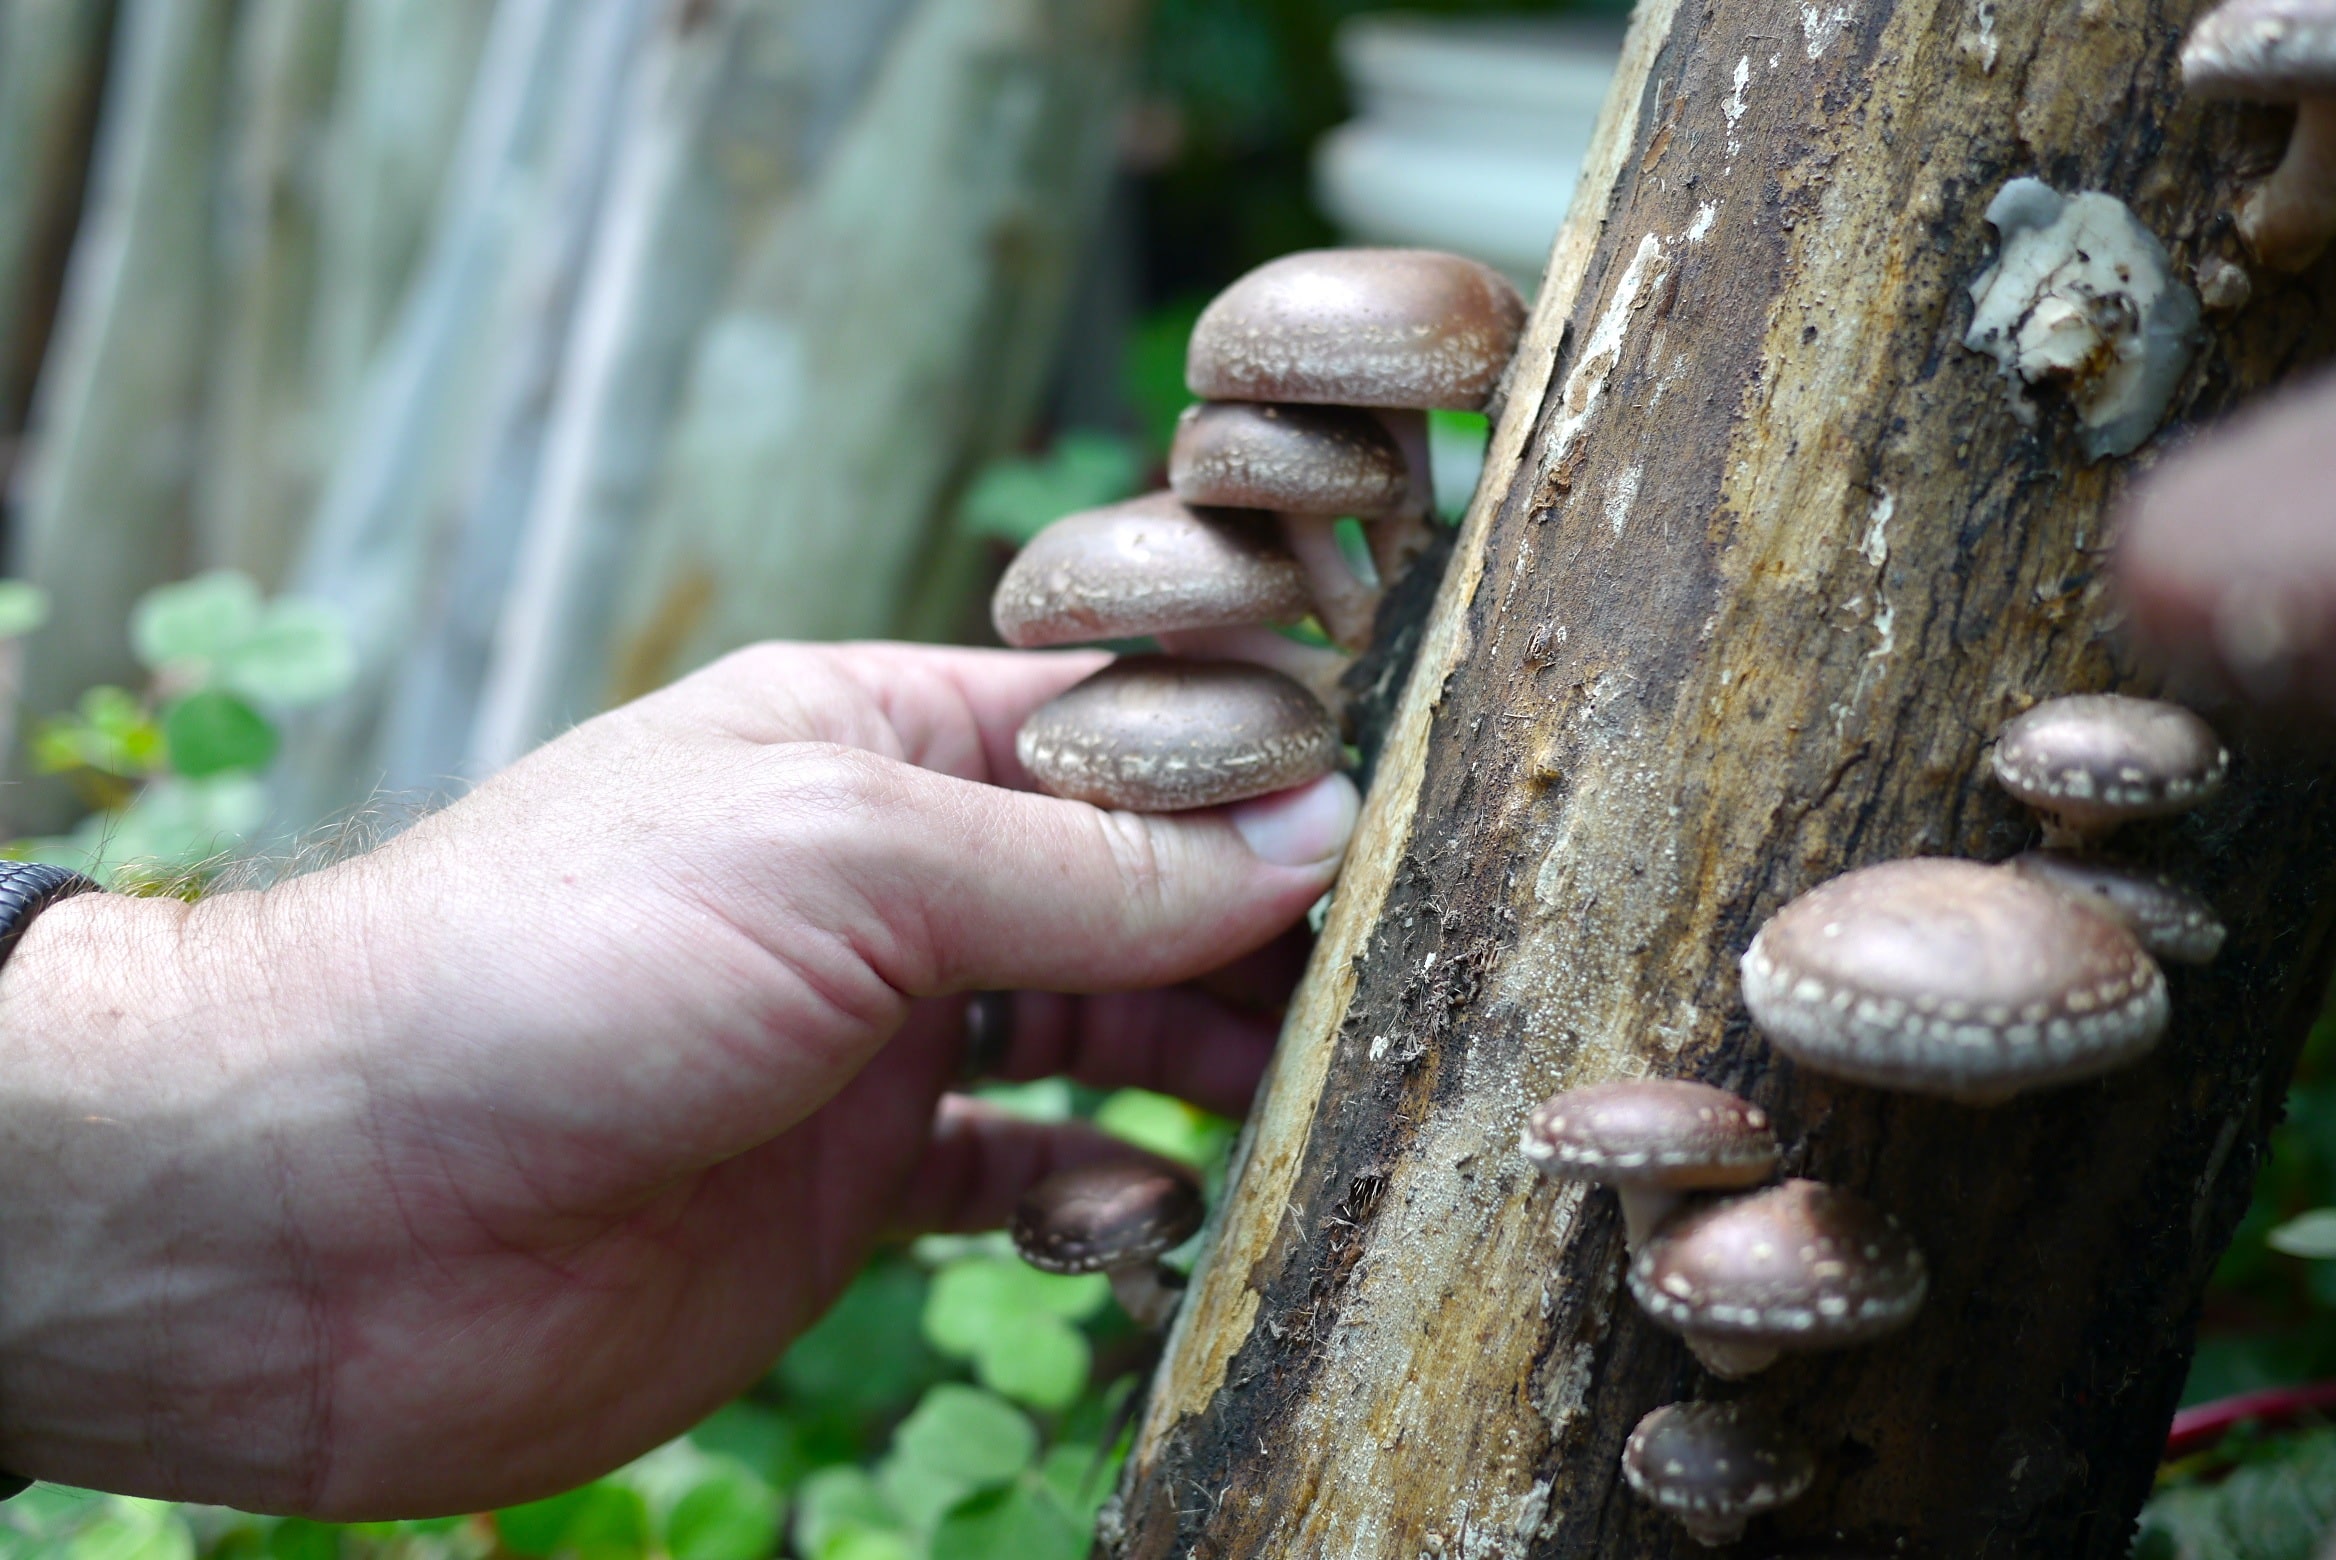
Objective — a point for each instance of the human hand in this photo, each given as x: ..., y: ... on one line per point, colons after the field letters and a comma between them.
x: 466, y: 1169
x: 2227, y: 560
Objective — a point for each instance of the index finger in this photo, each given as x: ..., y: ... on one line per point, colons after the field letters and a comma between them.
x: 949, y: 709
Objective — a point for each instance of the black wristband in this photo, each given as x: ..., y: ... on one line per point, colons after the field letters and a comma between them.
x: 26, y: 889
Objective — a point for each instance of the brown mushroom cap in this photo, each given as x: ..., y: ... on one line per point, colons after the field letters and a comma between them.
x: 1798, y: 1266
x: 2166, y: 918
x: 1665, y: 1132
x: 1148, y: 566
x: 2265, y: 51
x: 1951, y: 977
x: 1103, y: 1216
x: 2095, y: 760
x: 1154, y: 734
x: 1715, y: 1466
x: 1412, y: 328
x: 1310, y: 460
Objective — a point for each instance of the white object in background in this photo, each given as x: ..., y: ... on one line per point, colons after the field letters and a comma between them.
x: 1469, y: 133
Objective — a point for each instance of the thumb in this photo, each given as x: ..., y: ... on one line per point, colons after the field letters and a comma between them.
x: 973, y: 886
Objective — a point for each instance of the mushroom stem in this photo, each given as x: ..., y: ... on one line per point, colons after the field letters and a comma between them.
x: 1148, y: 1293
x: 2289, y: 218
x: 1345, y: 602
x: 1398, y: 538
x: 1731, y: 1361
x: 2059, y: 834
x: 1310, y: 666
x: 1644, y: 1208
x: 1711, y: 1531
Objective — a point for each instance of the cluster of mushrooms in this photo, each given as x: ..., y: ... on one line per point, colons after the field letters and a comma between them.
x: 1931, y: 976
x: 1954, y: 978
x: 2276, y: 51
x: 1317, y: 372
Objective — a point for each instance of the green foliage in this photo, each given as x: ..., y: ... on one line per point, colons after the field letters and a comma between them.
x: 171, y: 774
x: 23, y: 607
x: 1013, y: 1323
x: 2277, y: 1505
x: 1014, y: 499
x: 2311, y: 1235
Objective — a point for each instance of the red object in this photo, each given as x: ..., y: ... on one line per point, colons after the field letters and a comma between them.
x: 2196, y: 1429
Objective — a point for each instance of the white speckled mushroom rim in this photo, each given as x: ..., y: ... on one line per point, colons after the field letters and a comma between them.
x: 1754, y: 1475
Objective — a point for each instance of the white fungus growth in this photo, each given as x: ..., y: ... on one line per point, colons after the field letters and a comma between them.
x: 2082, y: 296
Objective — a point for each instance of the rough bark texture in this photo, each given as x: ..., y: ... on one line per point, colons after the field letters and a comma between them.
x: 1762, y: 558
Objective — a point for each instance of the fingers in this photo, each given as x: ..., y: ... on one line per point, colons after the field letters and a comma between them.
x: 1179, y: 1041
x: 981, y: 1160
x: 966, y: 887
x: 2227, y: 559
x: 947, y: 709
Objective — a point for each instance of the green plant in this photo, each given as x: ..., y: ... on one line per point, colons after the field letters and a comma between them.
x: 171, y: 773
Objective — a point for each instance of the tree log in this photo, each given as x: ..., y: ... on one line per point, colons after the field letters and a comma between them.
x: 1762, y: 558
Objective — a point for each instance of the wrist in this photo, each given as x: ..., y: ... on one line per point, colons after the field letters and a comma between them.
x: 138, y: 1054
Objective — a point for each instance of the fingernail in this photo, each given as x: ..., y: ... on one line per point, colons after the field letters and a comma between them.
x: 1300, y: 828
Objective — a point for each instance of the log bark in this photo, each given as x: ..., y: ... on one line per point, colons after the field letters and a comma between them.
x: 1762, y: 558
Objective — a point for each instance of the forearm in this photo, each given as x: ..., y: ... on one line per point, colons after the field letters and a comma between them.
x: 149, y: 1337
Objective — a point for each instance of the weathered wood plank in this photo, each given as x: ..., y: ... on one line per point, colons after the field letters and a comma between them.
x: 885, y: 335
x: 262, y: 445
x: 104, y: 488
x: 52, y: 66
x: 1763, y: 559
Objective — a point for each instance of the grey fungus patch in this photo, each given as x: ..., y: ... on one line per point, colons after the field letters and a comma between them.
x: 1800, y: 1266
x: 1952, y: 978
x: 1112, y: 1218
x: 2170, y: 921
x: 1316, y: 460
x: 1151, y: 565
x: 1713, y: 1467
x: 1155, y: 734
x: 2092, y: 761
x: 2082, y: 296
x: 1652, y: 1140
x: 2278, y: 51
x: 1406, y: 328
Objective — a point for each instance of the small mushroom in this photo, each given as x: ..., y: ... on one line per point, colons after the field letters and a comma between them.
x: 2278, y: 51
x: 1952, y: 978
x: 1155, y: 734
x: 1799, y: 1266
x: 1401, y: 331
x: 1310, y: 465
x: 2092, y: 761
x: 2167, y: 919
x: 1150, y: 565
x: 1713, y: 1467
x: 1115, y: 1219
x: 1653, y: 1140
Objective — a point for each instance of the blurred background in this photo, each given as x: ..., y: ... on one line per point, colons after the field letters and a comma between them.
x: 386, y: 385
